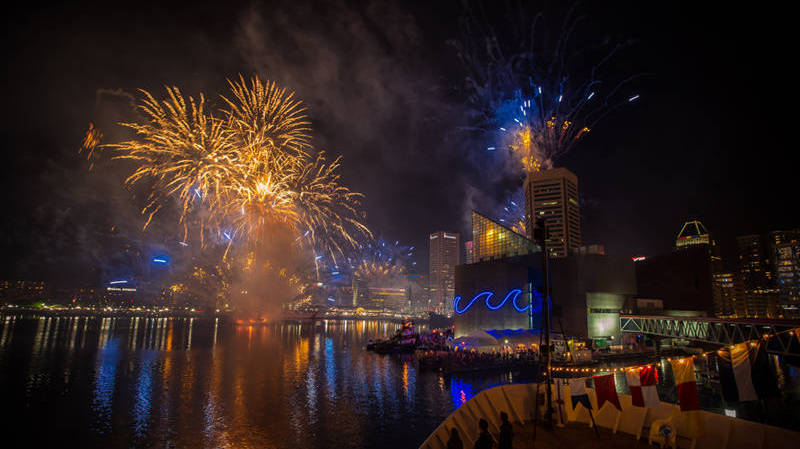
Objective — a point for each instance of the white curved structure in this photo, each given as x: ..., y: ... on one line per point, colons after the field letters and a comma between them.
x: 518, y: 400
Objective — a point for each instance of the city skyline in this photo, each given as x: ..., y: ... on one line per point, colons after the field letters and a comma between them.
x: 636, y: 184
x: 368, y: 224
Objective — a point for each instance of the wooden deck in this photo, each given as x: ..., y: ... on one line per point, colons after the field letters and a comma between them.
x: 574, y: 435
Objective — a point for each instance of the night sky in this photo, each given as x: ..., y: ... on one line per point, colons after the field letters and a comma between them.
x: 706, y: 139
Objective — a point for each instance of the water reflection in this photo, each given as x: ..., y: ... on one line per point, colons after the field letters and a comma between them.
x: 108, y: 356
x: 206, y: 383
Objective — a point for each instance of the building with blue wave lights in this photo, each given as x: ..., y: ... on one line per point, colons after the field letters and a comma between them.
x: 504, y: 278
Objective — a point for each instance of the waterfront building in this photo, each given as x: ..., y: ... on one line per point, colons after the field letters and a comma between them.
x: 588, y: 292
x: 388, y: 297
x: 491, y: 240
x: 444, y: 255
x: 23, y: 291
x: 505, y: 276
x: 553, y: 195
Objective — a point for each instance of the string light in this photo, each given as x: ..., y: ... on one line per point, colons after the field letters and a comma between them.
x: 795, y: 331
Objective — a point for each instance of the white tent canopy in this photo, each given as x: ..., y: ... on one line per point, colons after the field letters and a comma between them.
x: 487, y: 340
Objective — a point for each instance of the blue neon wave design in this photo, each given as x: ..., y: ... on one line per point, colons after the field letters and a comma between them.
x: 515, y: 293
x: 472, y: 301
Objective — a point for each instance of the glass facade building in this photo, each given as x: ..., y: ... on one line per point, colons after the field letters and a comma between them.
x: 491, y: 240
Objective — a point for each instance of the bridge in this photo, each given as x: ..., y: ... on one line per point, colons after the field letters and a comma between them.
x: 779, y: 334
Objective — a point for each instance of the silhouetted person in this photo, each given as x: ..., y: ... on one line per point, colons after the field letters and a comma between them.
x: 506, y: 432
x: 484, y: 439
x: 455, y: 440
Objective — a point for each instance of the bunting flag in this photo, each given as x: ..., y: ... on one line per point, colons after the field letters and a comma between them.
x: 577, y: 390
x: 745, y: 373
x: 642, y: 383
x: 735, y: 373
x: 683, y: 371
x: 606, y: 390
x: 764, y: 379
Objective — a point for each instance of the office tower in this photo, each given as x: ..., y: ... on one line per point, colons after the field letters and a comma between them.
x: 491, y: 240
x: 553, y: 195
x: 760, y: 292
x: 692, y: 233
x: 444, y: 256
x: 783, y: 251
x: 728, y: 295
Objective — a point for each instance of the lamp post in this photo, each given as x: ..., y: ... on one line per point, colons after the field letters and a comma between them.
x: 540, y: 235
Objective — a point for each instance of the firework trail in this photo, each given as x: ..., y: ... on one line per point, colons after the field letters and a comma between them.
x: 383, y: 260
x: 242, y: 173
x: 91, y: 139
x: 523, y: 92
x: 512, y: 214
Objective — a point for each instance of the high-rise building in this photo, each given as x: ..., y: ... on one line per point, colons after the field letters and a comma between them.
x: 728, y: 296
x: 553, y: 195
x: 787, y: 276
x: 692, y: 233
x: 444, y: 256
x: 783, y: 259
x: 755, y: 271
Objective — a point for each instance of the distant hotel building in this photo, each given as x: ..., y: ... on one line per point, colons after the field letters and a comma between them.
x: 444, y: 256
x: 553, y: 195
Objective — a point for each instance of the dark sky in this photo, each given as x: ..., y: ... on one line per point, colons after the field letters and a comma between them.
x: 705, y: 140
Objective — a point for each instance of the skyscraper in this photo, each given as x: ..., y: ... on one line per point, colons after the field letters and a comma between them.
x: 779, y: 255
x: 553, y: 195
x: 444, y: 256
x: 692, y: 233
x: 755, y: 271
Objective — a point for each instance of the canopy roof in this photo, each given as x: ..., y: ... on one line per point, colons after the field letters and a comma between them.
x: 497, y: 338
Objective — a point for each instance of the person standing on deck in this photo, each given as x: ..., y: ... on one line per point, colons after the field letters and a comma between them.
x: 455, y: 440
x: 484, y: 439
x: 504, y: 441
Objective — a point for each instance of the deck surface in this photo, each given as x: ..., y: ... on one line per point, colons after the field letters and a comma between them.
x: 575, y: 435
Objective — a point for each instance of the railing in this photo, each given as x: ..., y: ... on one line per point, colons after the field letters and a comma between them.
x: 726, y: 332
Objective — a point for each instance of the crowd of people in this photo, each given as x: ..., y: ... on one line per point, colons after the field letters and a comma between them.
x: 454, y: 360
x: 485, y: 439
